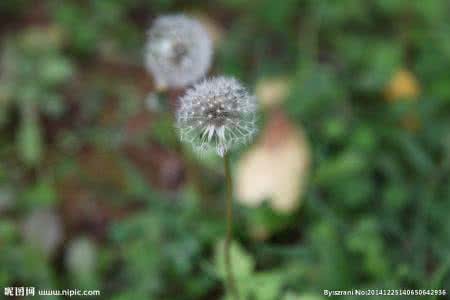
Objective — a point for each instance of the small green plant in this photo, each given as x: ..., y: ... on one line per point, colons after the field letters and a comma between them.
x: 218, y: 115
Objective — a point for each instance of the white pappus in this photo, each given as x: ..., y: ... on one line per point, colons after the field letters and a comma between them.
x: 217, y: 114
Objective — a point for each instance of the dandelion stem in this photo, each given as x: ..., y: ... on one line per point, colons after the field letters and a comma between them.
x: 229, y: 215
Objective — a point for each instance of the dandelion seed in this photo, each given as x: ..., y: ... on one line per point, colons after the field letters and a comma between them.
x: 215, y: 125
x: 178, y: 51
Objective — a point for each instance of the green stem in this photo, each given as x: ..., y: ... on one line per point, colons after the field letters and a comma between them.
x: 229, y: 215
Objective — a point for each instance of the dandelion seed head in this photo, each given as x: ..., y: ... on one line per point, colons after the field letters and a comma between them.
x: 178, y: 51
x: 217, y: 114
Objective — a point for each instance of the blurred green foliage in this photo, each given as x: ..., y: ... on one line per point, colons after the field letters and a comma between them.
x: 75, y: 136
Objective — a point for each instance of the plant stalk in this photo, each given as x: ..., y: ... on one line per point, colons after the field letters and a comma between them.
x: 229, y: 215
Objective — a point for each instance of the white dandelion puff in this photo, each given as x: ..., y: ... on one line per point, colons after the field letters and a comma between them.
x: 178, y: 51
x: 217, y: 114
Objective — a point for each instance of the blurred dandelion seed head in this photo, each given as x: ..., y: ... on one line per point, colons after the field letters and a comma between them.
x: 217, y: 114
x: 178, y: 51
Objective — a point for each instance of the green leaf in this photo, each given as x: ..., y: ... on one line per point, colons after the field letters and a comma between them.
x: 345, y: 165
x: 29, y: 139
x: 267, y: 286
x: 42, y: 193
x: 55, y: 70
x: 242, y: 263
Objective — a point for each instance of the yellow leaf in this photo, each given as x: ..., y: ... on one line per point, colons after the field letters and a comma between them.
x: 403, y: 85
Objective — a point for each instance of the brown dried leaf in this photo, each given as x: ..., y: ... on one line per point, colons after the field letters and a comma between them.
x: 275, y: 168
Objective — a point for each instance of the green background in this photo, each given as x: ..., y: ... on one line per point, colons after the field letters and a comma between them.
x: 76, y: 139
